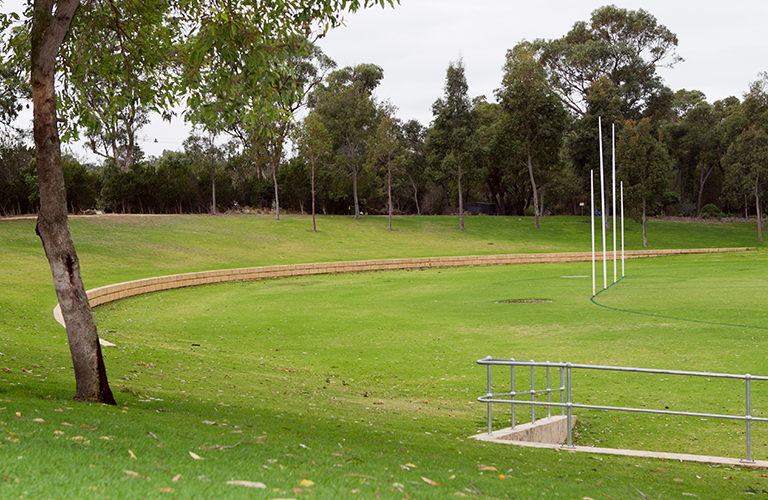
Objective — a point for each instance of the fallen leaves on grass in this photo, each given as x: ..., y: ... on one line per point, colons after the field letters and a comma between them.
x: 408, y: 466
x: 195, y: 455
x: 166, y: 490
x: 248, y: 484
x: 306, y: 483
x: 38, y: 420
x: 131, y: 453
x: 429, y: 481
x: 176, y: 478
x: 487, y: 467
x: 134, y: 475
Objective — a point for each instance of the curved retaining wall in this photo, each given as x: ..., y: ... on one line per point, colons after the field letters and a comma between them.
x: 110, y: 293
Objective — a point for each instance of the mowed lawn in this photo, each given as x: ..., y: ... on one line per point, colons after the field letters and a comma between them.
x: 365, y: 385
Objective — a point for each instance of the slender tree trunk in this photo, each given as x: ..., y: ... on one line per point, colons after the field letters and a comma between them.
x: 416, y: 196
x: 645, y: 233
x: 535, y: 194
x: 461, y: 203
x: 213, y: 189
x: 277, y: 199
x: 314, y: 226
x: 389, y: 194
x: 759, y: 212
x: 702, y: 181
x: 48, y: 32
x: 541, y: 198
x: 354, y: 193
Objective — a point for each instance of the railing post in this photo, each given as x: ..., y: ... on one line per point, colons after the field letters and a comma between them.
x: 568, y: 403
x: 748, y: 419
x: 512, y: 389
x: 562, y: 390
x: 490, y: 394
x: 533, y: 397
x: 549, y: 394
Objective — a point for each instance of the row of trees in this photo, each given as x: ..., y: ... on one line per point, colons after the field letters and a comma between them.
x: 530, y: 151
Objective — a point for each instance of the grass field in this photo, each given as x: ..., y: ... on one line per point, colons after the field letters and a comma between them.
x: 364, y: 385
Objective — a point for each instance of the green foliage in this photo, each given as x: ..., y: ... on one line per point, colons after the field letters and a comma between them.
x: 710, y: 209
x: 643, y: 166
x: 345, y: 107
x: 83, y: 185
x: 534, y: 117
x: 448, y: 143
x: 19, y: 193
x: 626, y: 46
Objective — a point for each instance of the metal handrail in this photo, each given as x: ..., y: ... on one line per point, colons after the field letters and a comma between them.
x: 566, y: 403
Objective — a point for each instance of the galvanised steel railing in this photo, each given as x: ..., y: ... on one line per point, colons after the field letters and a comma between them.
x: 567, y: 405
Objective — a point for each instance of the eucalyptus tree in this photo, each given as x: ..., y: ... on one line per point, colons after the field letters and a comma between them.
x: 262, y: 122
x: 535, y: 116
x: 643, y: 166
x: 449, y: 138
x: 698, y: 141
x: 746, y: 170
x: 312, y: 140
x: 414, y: 160
x: 347, y: 109
x: 218, y: 31
x: 15, y: 91
x: 622, y: 45
x: 385, y: 150
x: 111, y: 80
x: 746, y: 162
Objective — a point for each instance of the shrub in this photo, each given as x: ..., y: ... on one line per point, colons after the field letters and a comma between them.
x: 710, y: 209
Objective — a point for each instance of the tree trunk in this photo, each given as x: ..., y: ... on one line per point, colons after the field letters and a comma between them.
x: 535, y: 193
x: 702, y: 181
x: 277, y: 199
x: 314, y: 226
x: 461, y: 203
x: 645, y: 233
x: 48, y: 32
x: 213, y: 189
x: 759, y: 212
x: 354, y: 193
x: 541, y: 198
x: 416, y: 196
x: 389, y: 194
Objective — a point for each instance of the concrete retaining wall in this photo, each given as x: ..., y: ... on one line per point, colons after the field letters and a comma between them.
x: 109, y: 293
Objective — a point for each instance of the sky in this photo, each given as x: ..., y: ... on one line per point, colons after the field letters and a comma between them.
x: 724, y: 47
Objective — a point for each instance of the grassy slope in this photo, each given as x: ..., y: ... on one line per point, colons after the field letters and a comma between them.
x: 345, y: 380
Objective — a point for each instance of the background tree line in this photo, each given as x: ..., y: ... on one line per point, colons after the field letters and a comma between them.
x: 527, y: 151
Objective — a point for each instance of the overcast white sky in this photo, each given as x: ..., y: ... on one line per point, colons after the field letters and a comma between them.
x: 724, y: 45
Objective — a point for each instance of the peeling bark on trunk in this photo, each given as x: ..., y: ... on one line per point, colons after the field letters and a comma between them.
x: 48, y: 32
